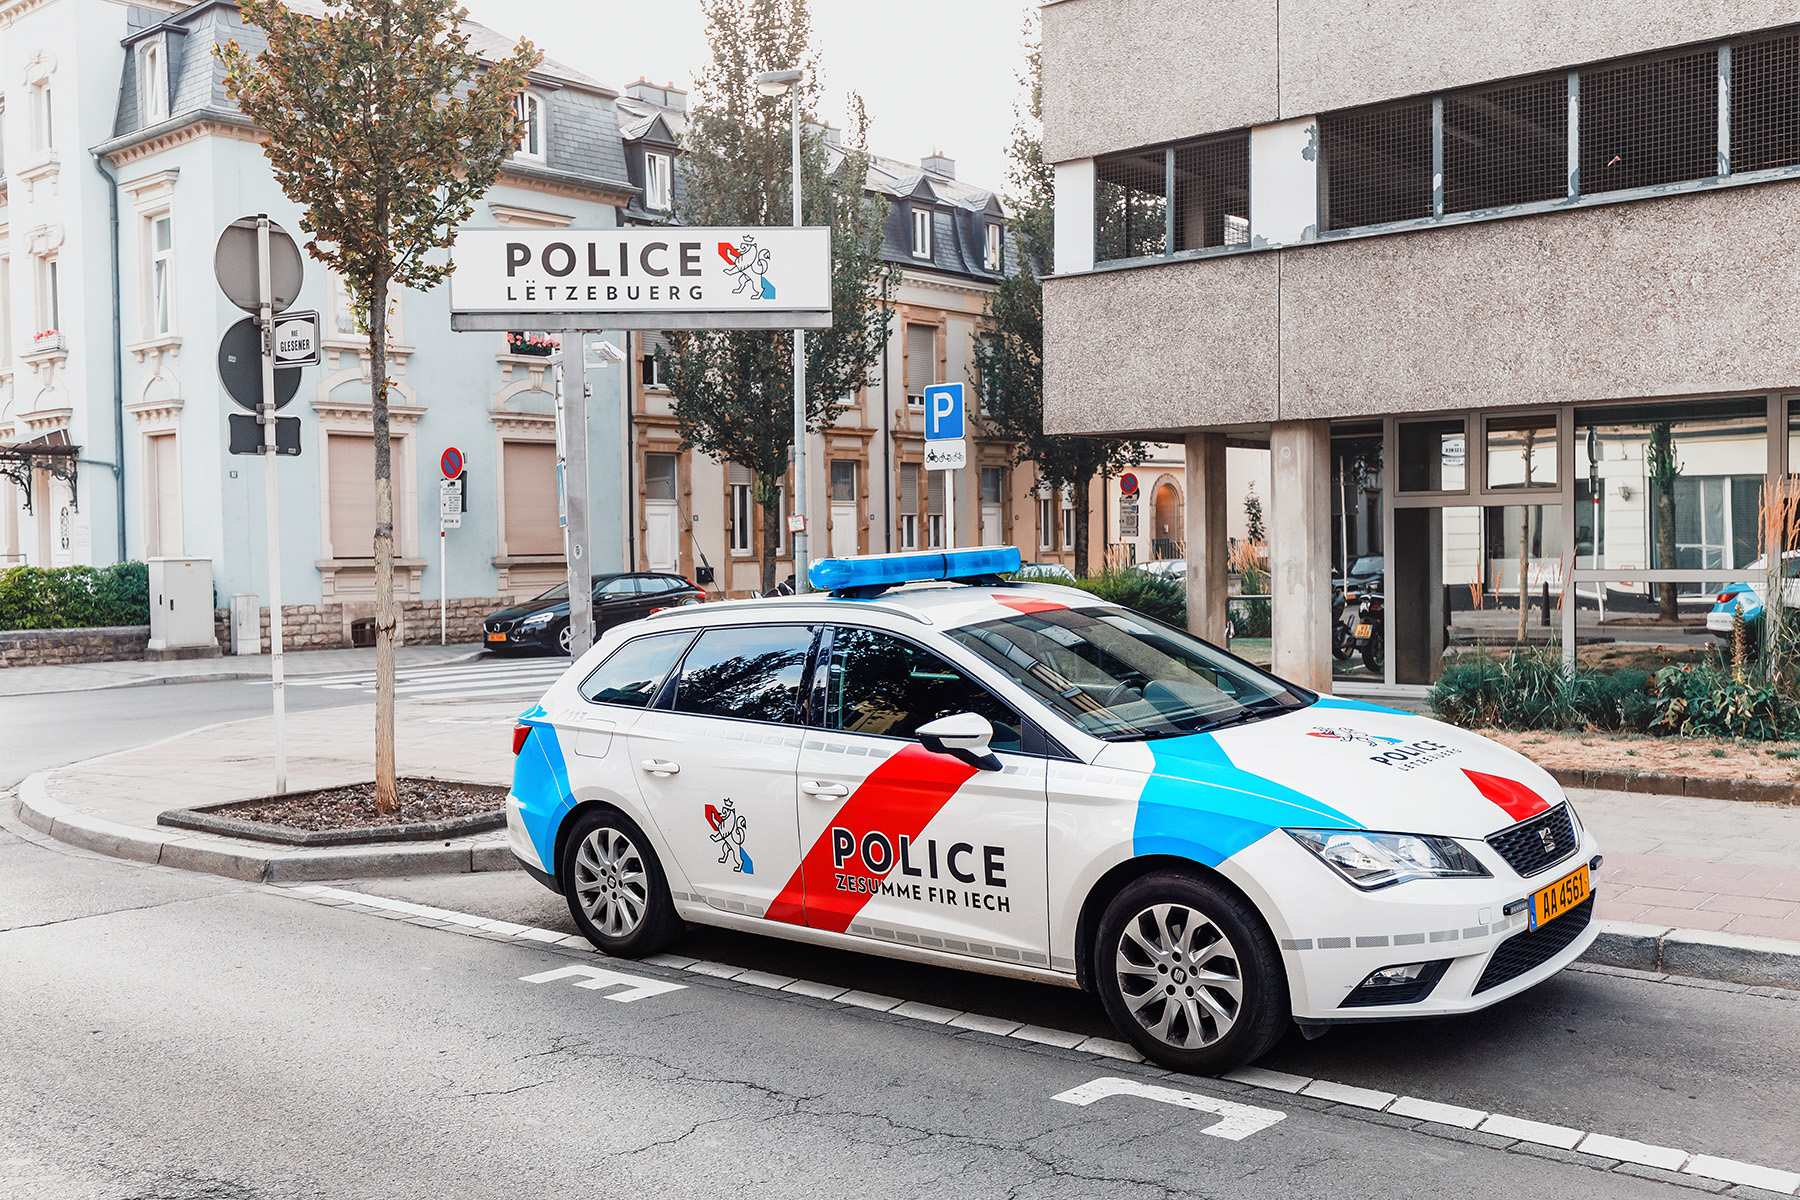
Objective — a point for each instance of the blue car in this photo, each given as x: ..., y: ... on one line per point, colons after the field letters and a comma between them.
x: 1747, y: 598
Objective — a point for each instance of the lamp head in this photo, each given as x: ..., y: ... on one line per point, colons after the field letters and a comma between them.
x: 777, y: 83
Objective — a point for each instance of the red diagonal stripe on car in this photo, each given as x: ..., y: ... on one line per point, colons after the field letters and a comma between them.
x: 899, y: 797
x: 1517, y: 800
x: 1031, y: 606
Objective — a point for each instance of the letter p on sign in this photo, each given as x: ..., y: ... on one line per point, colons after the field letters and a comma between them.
x: 943, y: 411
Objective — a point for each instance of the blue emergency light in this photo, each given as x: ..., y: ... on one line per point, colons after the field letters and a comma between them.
x: 871, y: 574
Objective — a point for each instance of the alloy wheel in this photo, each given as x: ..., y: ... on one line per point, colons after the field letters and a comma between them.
x: 565, y: 638
x: 611, y: 883
x: 1179, y: 975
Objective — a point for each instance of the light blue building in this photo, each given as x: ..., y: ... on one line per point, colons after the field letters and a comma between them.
x: 114, y: 110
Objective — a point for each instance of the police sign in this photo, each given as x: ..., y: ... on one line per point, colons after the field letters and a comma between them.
x: 669, y: 277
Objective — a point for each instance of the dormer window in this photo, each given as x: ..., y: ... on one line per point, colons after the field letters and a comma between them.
x: 153, y: 80
x: 991, y: 247
x: 659, y: 194
x: 921, y: 233
x: 530, y: 110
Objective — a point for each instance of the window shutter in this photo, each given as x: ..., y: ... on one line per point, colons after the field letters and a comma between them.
x: 909, y: 490
x: 530, y: 498
x: 921, y: 358
x: 934, y: 498
x: 739, y: 475
x: 352, y: 496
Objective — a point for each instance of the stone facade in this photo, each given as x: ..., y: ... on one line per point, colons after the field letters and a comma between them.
x: 333, y: 626
x: 58, y: 647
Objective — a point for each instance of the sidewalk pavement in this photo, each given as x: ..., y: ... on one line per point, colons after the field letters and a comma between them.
x: 81, y: 677
x: 1689, y: 885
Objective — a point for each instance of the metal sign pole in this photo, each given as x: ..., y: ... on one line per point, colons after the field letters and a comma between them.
x: 443, y: 582
x: 571, y: 412
x: 266, y: 317
x: 802, y: 550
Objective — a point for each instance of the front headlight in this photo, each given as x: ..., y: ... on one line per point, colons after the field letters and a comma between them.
x: 536, y: 620
x: 1378, y: 860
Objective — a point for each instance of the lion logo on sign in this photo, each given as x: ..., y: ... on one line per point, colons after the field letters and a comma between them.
x: 728, y: 829
x: 749, y: 263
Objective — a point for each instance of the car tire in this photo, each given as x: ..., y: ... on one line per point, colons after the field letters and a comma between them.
x: 1144, y: 946
x: 615, y: 886
x: 565, y: 638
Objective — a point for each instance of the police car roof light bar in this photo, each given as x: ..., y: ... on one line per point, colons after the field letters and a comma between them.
x: 870, y: 575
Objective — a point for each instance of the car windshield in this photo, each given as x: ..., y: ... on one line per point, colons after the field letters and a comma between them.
x: 1123, y: 677
x: 1369, y: 564
x: 559, y: 592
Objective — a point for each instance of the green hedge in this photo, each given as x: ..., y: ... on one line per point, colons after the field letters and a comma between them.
x: 74, y: 597
x: 1160, y: 596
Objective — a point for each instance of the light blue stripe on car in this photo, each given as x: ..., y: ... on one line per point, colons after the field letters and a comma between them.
x: 1199, y: 805
x: 541, y: 783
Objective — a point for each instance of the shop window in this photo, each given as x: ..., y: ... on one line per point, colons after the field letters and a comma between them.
x: 1433, y: 456
x: 1506, y: 144
x: 1765, y: 98
x: 1356, y: 491
x: 1650, y: 121
x: 1521, y: 452
x: 1375, y: 165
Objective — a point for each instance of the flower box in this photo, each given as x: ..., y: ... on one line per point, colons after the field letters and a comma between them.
x: 530, y: 344
x: 47, y: 341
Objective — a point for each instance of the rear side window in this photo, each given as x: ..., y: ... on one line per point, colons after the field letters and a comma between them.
x: 631, y: 676
x: 884, y: 685
x: 751, y: 672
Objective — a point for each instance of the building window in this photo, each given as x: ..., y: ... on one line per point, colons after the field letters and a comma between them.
x: 921, y: 362
x: 532, y: 521
x: 992, y: 484
x: 2, y: 137
x: 781, y: 515
x: 991, y: 247
x: 5, y: 311
x: 1133, y: 216
x: 530, y: 110
x: 1068, y: 523
x: 153, y: 82
x: 843, y: 481
x: 1506, y: 144
x: 1765, y: 96
x: 658, y: 180
x: 921, y: 232
x: 43, y: 118
x: 1046, y: 522
x: 652, y: 375
x: 159, y: 275
x: 934, y: 510
x: 1375, y: 165
x: 1212, y: 193
x: 350, y: 495
x: 909, y: 507
x: 743, y: 518
x: 1651, y: 121
x: 1130, y: 205
x: 49, y: 297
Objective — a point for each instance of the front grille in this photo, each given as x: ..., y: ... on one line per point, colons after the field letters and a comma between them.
x: 1520, y: 953
x: 500, y: 626
x: 1523, y: 845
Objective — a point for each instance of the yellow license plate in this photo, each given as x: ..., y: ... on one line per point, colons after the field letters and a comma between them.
x: 1362, y: 631
x: 1549, y: 903
x: 496, y: 637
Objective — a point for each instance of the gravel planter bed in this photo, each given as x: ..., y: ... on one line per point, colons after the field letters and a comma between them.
x: 430, y: 809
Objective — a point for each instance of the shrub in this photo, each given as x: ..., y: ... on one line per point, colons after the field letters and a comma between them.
x: 74, y: 597
x: 1711, y: 700
x: 1156, y: 596
x: 1534, y: 689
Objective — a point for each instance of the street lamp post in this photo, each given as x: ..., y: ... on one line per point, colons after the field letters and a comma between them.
x: 774, y: 83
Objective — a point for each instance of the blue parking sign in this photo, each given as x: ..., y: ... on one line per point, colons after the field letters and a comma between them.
x: 943, y: 411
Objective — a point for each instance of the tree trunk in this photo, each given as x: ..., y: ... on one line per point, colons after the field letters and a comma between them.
x: 387, y: 798
x: 1081, y: 526
x: 1525, y: 539
x: 769, y: 500
x: 1665, y: 548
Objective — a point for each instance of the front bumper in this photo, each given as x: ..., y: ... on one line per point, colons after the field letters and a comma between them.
x: 1333, y: 936
x: 497, y: 637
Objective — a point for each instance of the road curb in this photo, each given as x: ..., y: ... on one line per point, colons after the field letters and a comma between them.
x: 217, y: 856
x: 220, y: 677
x: 1658, y: 783
x: 1698, y: 954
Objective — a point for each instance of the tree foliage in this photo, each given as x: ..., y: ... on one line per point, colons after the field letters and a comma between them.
x: 385, y: 128
x: 733, y: 390
x: 1009, y: 353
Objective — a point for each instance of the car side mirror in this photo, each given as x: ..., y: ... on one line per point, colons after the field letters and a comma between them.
x: 963, y: 736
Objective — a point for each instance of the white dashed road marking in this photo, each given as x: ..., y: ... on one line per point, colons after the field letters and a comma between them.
x: 1601, y: 1149
x: 1241, y: 1120
x: 636, y: 987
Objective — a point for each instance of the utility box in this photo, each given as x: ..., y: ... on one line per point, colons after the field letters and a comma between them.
x: 181, y: 608
x: 246, y: 623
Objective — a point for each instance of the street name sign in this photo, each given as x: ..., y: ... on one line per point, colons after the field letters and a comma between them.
x: 947, y: 454
x: 297, y: 340
x: 667, y: 277
x: 943, y: 411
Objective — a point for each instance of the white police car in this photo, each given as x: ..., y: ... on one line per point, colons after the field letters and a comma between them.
x: 1025, y: 780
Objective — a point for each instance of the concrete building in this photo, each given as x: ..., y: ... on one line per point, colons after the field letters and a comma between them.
x: 114, y: 445
x: 1505, y: 291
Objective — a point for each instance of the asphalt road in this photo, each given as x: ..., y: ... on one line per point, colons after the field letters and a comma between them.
x: 178, y: 1036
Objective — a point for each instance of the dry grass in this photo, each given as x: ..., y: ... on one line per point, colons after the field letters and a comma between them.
x: 1715, y: 758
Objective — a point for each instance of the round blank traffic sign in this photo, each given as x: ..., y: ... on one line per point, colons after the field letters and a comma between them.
x: 235, y: 265
x: 240, y: 368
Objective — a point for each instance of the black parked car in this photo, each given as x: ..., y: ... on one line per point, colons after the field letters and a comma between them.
x: 542, y: 623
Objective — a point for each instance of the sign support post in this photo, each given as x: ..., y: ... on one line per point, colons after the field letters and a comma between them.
x: 266, y: 317
x: 572, y: 472
x: 945, y: 447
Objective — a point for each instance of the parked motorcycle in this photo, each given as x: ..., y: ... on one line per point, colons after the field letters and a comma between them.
x: 1368, y: 634
x: 1344, y: 609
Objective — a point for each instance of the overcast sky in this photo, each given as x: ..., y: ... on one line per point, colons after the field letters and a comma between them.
x: 934, y: 74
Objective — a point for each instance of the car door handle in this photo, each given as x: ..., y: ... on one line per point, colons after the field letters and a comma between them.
x: 813, y: 787
x: 661, y: 766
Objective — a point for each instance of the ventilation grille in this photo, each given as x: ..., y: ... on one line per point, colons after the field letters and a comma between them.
x: 1130, y: 206
x: 1212, y: 193
x: 1506, y: 145
x: 1525, y: 848
x: 1765, y: 102
x: 1650, y: 121
x: 1522, y: 952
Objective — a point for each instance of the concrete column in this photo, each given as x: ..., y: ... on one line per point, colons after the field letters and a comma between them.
x: 1207, y: 541
x: 1074, y: 216
x: 1300, y: 551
